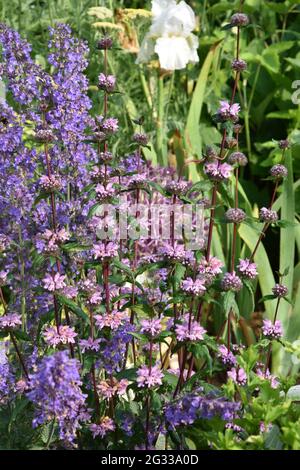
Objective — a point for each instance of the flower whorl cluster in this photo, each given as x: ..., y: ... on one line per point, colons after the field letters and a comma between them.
x: 189, y: 330
x: 279, y: 290
x: 55, y: 390
x: 247, y: 269
x: 228, y: 112
x: 197, y: 405
x: 106, y: 82
x: 218, y: 172
x: 235, y: 215
x: 278, y: 172
x: 268, y: 215
x: 10, y: 320
x: 237, y: 158
x: 194, y: 287
x: 226, y: 356
x: 149, y: 377
x: 272, y: 330
x: 231, y: 282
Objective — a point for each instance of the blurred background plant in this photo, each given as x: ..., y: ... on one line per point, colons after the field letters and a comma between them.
x: 177, y: 108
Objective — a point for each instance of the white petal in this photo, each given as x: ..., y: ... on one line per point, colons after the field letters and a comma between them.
x: 146, y: 50
x: 158, y: 6
x: 176, y: 20
x: 194, y: 44
x: 174, y: 52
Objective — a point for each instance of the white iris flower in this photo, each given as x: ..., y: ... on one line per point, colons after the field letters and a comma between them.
x: 170, y: 35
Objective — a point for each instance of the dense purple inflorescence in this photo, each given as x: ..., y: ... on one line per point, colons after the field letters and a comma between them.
x: 95, y: 319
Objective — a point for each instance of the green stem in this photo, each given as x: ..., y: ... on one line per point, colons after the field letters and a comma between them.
x: 160, y: 135
x: 50, y: 434
x: 146, y: 89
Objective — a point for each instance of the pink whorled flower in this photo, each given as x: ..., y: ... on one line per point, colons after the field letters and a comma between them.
x: 106, y: 82
x: 194, y: 287
x: 65, y: 335
x: 10, y: 320
x: 177, y: 253
x: 191, y: 331
x: 105, y: 251
x: 112, y: 320
x: 226, y: 356
x: 272, y: 330
x: 267, y: 376
x: 218, y: 171
x: 90, y: 344
x: 149, y: 378
x: 247, y: 269
x: 153, y: 326
x: 228, y: 111
x: 70, y: 292
x: 54, y: 282
x: 210, y: 269
x: 109, y: 388
x: 106, y: 425
x: 105, y: 192
x: 237, y: 375
x: 3, y: 277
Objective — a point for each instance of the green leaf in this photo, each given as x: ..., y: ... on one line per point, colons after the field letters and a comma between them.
x: 123, y: 267
x: 73, y: 307
x: 129, y: 374
x: 191, y: 133
x: 265, y: 298
x: 273, y: 438
x: 293, y: 393
x: 19, y: 334
x: 265, y: 276
x: 270, y: 60
x: 178, y: 274
x: 75, y: 247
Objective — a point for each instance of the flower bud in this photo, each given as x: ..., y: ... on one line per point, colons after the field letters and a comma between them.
x: 239, y: 65
x: 238, y: 158
x: 278, y: 171
x: 105, y: 43
x: 239, y: 19
x: 267, y: 215
x: 235, y: 215
x: 279, y: 290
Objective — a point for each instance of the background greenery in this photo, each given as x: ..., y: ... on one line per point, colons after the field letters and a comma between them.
x: 182, y: 109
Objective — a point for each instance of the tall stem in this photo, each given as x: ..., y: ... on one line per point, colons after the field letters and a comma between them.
x: 267, y: 224
x: 160, y: 139
x: 214, y: 193
x: 148, y: 399
x: 12, y: 336
x: 270, y: 345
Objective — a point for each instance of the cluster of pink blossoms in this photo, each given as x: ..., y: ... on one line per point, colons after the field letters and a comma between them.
x: 149, y: 378
x: 90, y: 344
x: 105, y: 251
x: 228, y: 111
x: 194, y: 287
x: 189, y: 330
x: 272, y: 330
x: 152, y: 327
x: 112, y: 320
x: 106, y: 425
x: 237, y: 375
x: 109, y: 388
x: 64, y: 335
x: 10, y: 320
x: 226, y: 356
x: 54, y: 282
x: 247, y: 269
x: 218, y: 172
